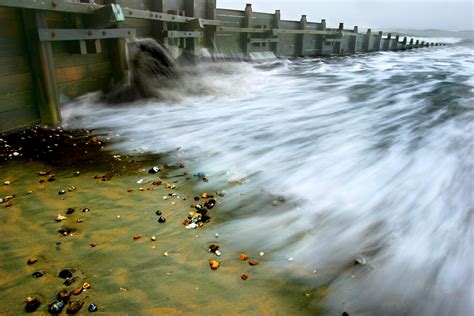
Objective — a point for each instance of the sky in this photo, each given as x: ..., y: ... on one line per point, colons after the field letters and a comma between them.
x: 416, y: 14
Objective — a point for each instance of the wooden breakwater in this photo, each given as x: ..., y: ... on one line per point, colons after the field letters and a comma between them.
x: 54, y: 50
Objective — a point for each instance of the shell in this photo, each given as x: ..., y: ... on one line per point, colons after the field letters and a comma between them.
x: 253, y: 262
x: 214, y: 264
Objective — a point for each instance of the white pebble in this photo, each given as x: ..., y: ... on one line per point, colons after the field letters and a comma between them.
x: 262, y: 254
x: 140, y: 181
x: 290, y: 259
x: 165, y: 254
x: 217, y: 252
x: 216, y: 235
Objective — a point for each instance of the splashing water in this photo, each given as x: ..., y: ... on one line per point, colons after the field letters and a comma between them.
x: 362, y: 156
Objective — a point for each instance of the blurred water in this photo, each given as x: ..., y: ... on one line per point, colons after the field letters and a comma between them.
x: 367, y: 155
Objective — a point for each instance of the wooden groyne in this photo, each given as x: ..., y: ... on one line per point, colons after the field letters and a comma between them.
x: 54, y: 50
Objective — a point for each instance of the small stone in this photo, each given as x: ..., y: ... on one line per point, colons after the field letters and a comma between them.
x: 136, y: 237
x: 74, y: 307
x: 218, y: 252
x: 65, y: 274
x: 93, y: 245
x: 244, y: 276
x: 158, y: 213
x: 290, y: 259
x: 79, y: 221
x: 192, y: 226
x: 154, y: 170
x: 262, y: 254
x: 360, y: 260
x: 71, y: 188
x: 32, y: 260
x: 161, y: 219
x: 70, y: 211
x: 42, y: 173
x: 86, y: 285
x: 70, y: 281
x: 77, y: 291
x: 56, y: 307
x: 166, y: 254
x: 140, y: 181
x: 32, y: 304
x: 243, y: 256
x: 214, y: 264
x: 29, y: 192
x: 86, y: 210
x: 37, y: 274
x: 216, y: 235
x: 61, y: 192
x: 253, y: 262
x: 153, y: 238
x: 16, y: 154
x: 118, y: 216
x: 129, y: 190
x: 77, y: 173
x: 63, y: 295
x: 213, y: 248
x: 7, y: 183
x: 204, y: 195
x: 92, y: 308
x: 60, y: 218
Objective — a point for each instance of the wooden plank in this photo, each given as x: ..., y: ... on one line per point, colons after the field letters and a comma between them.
x: 64, y: 59
x: 15, y: 83
x: 83, y: 34
x: 77, y: 73
x: 19, y: 118
x: 10, y: 65
x: 78, y: 88
x: 12, y: 101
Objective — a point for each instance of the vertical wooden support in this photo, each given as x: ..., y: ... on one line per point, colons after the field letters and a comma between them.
x: 211, y: 30
x: 190, y: 11
x: 395, y: 42
x: 247, y: 24
x: 368, y: 41
x: 411, y: 43
x: 42, y: 68
x: 378, y: 41
x: 159, y: 27
x: 404, y: 43
x: 118, y: 54
x: 338, y: 48
x: 322, y: 38
x: 301, y: 38
x: 354, y: 41
x: 417, y: 44
x: 276, y: 26
x: 386, y: 44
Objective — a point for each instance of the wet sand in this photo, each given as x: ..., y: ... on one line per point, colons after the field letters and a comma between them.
x: 126, y: 275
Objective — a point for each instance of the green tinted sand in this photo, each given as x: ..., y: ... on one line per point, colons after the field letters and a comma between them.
x: 126, y: 275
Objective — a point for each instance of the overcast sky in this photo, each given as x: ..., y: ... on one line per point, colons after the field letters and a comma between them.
x: 416, y: 14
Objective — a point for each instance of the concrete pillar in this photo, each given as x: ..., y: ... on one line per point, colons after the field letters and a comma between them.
x: 247, y: 24
x: 301, y: 38
x: 276, y: 25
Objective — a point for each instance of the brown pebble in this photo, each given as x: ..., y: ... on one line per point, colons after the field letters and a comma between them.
x: 74, y: 307
x: 168, y: 185
x: 197, y: 198
x: 129, y: 190
x: 32, y: 260
x: 93, y: 245
x: 136, y: 237
x: 214, y: 264
x: 253, y: 262
x: 213, y: 248
x: 77, y: 291
x: 63, y: 295
x: 243, y: 256
x: 186, y: 222
x: 244, y: 276
x: 159, y: 182
x: 204, y: 195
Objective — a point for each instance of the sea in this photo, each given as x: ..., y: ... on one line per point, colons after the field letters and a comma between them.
x: 355, y: 170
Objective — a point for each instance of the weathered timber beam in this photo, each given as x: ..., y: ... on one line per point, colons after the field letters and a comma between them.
x: 264, y: 40
x: 182, y: 34
x: 49, y: 35
x: 242, y: 30
x: 315, y: 32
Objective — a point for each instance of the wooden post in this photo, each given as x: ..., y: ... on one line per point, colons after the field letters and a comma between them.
x: 211, y: 31
x: 386, y: 45
x: 276, y: 26
x: 411, y: 43
x: 42, y: 68
x: 368, y: 41
x: 338, y: 49
x: 301, y: 49
x: 395, y: 43
x: 190, y: 11
x: 404, y: 43
x: 417, y: 44
x: 247, y: 24
x: 118, y: 54
x: 378, y: 41
x: 159, y: 27
x: 354, y: 43
x: 322, y: 38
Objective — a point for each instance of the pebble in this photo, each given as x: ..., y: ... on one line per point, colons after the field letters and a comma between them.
x: 71, y: 188
x: 61, y: 192
x: 32, y: 304
x: 192, y: 226
x: 253, y: 262
x: 243, y: 256
x: 60, y: 218
x: 161, y: 219
x: 86, y: 285
x: 56, y: 307
x: 262, y: 254
x: 360, y: 260
x: 140, y: 181
x: 32, y: 260
x: 65, y: 274
x: 290, y: 259
x: 154, y: 169
x: 70, y: 211
x: 74, y: 307
x: 153, y: 238
x: 7, y: 183
x: 92, y: 308
x: 158, y: 213
x: 166, y: 254
x: 136, y: 237
x: 86, y: 210
x: 244, y: 276
x: 214, y: 264
x: 216, y: 235
x: 77, y: 291
x: 37, y: 274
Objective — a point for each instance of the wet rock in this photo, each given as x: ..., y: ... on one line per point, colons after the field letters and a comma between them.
x: 360, y: 260
x: 210, y: 204
x: 92, y: 308
x: 244, y: 276
x: 60, y: 218
x: 74, y: 307
x: 71, y: 188
x: 61, y: 192
x: 161, y: 219
x: 32, y: 304
x: 65, y: 274
x: 86, y: 210
x: 31, y: 261
x: 37, y: 274
x: 70, y: 281
x: 243, y: 256
x: 137, y: 237
x: 77, y: 291
x: 158, y: 213
x: 345, y: 314
x: 213, y: 248
x: 154, y: 170
x: 66, y: 231
x: 63, y: 295
x: 70, y: 211
x: 214, y: 264
x: 153, y: 238
x: 56, y: 307
x: 253, y: 262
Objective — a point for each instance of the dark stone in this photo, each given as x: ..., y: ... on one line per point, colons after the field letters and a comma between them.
x: 70, y: 281
x: 158, y: 213
x: 92, y: 308
x: 345, y: 314
x: 86, y: 210
x: 63, y: 295
x: 70, y: 211
x: 154, y: 170
x: 61, y: 192
x: 56, y: 307
x: 32, y: 305
x: 37, y: 274
x: 206, y: 218
x: 74, y: 307
x: 66, y: 231
x: 51, y: 179
x: 65, y: 274
x: 202, y: 211
x: 161, y: 219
